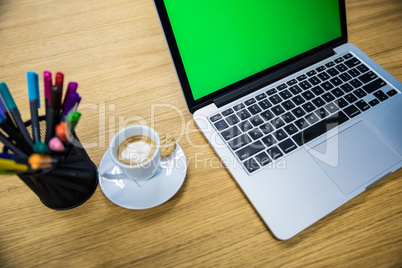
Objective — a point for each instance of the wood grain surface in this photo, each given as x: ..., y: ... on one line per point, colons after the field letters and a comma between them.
x: 117, y: 53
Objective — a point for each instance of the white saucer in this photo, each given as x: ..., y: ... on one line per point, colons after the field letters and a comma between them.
x: 157, y: 190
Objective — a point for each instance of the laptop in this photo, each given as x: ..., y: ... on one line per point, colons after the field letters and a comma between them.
x: 303, y: 120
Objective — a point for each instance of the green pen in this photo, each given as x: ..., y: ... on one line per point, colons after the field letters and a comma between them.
x: 72, y: 119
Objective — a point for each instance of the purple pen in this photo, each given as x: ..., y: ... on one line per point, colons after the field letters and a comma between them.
x: 72, y: 87
x: 74, y: 97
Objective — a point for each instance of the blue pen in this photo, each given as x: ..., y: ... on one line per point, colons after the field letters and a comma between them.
x: 34, y: 103
x: 12, y: 107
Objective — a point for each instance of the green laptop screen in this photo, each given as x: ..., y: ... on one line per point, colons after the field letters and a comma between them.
x: 223, y: 41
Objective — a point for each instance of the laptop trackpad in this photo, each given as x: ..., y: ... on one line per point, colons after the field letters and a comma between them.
x: 354, y: 156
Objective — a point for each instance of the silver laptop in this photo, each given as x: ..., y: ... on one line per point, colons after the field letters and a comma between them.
x: 303, y: 120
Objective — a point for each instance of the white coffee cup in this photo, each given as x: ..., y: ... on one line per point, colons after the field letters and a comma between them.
x: 141, y: 171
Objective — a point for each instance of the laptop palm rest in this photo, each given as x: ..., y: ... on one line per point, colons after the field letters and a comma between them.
x: 341, y: 156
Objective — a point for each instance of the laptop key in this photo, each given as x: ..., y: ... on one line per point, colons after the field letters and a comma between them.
x: 232, y: 119
x: 314, y: 131
x: 227, y: 112
x: 301, y: 77
x: 290, y: 129
x: 295, y: 89
x: 255, y: 134
x: 367, y: 77
x: 251, y: 165
x: 274, y: 152
x: 362, y: 105
x: 277, y: 122
x: 373, y: 86
x: 301, y: 123
x: 281, y: 87
x: 308, y: 95
x: 265, y: 104
x: 231, y: 133
x: 392, y: 92
x: 250, y: 150
x: 362, y: 68
x: 275, y: 99
x: 245, y: 126
x: 320, y: 69
x: 285, y: 94
x: 323, y: 76
x: 268, y: 140
x: 342, y: 103
x: 359, y: 93
x: 298, y: 112
x: 352, y: 62
x: 221, y: 125
x: 280, y: 134
x: 266, y: 128
x: 374, y: 102
x: 291, y: 82
x: 308, y: 107
x: 288, y: 117
x: 331, y: 107
x: 263, y: 159
x: 355, y: 83
x: 312, y: 118
x: 243, y: 114
x: 256, y: 120
x: 287, y: 146
x: 271, y: 92
x: 249, y: 101
x: 352, y: 111
x: 267, y: 115
x: 354, y: 72
x: 298, y: 100
x: 260, y: 96
x: 215, y: 117
x: 239, y: 106
x: 254, y: 109
x: 277, y: 110
x: 239, y: 142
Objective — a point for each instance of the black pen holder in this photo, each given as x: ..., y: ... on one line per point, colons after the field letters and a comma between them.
x: 70, y: 182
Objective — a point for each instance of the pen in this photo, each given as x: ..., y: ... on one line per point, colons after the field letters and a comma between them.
x: 37, y: 161
x: 12, y: 107
x: 14, y: 135
x: 72, y: 120
x: 72, y: 87
x: 8, y: 164
x: 69, y: 105
x: 34, y: 102
x: 53, y: 112
x: 9, y: 144
x: 59, y: 82
x: 47, y: 85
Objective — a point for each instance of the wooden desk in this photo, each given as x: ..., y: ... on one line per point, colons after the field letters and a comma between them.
x: 117, y: 53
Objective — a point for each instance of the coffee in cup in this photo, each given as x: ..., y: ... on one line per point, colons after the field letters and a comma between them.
x: 136, y: 150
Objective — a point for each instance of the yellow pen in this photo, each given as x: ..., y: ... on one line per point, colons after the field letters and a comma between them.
x: 7, y: 164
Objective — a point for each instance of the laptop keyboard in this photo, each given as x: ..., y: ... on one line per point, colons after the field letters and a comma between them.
x: 269, y: 125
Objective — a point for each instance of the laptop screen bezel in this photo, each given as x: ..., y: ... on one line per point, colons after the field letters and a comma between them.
x: 193, y: 104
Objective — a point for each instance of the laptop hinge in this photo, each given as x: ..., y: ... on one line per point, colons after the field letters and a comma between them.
x: 271, y: 78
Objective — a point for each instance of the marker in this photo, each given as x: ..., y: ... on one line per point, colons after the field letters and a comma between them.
x: 72, y: 119
x: 56, y: 145
x: 41, y: 148
x: 47, y: 85
x: 62, y: 131
x: 12, y: 107
x: 72, y: 87
x: 72, y: 100
x: 9, y: 144
x: 37, y: 161
x: 53, y: 112
x: 14, y: 135
x: 7, y: 164
x: 34, y: 102
x: 59, y: 82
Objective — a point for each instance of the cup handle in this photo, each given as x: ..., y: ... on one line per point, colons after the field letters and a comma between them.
x: 113, y: 173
